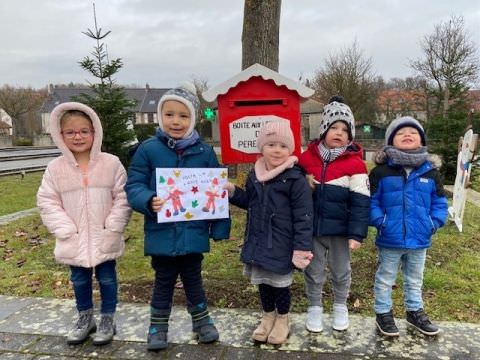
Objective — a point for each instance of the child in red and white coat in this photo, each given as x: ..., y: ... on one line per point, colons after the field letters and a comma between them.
x: 341, y: 202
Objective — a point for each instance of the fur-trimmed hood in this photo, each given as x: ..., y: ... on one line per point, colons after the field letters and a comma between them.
x: 380, y: 158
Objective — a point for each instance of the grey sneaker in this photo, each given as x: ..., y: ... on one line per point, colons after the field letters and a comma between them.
x: 340, y: 317
x: 314, y: 321
x: 84, y: 326
x: 106, y: 330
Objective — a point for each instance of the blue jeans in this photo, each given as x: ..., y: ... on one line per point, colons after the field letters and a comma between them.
x: 413, y: 264
x: 82, y: 286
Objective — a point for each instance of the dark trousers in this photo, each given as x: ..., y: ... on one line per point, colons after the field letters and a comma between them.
x: 167, y: 269
x: 107, y: 280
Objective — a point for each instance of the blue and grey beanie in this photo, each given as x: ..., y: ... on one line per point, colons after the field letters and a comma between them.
x: 399, y: 123
x: 186, y: 94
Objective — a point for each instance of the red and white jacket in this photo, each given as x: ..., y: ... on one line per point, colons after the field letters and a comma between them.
x: 341, y: 199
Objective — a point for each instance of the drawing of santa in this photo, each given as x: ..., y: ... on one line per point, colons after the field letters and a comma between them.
x: 212, y: 193
x: 174, y: 195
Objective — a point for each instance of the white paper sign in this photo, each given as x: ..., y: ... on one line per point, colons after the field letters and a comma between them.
x: 464, y: 167
x: 192, y: 194
x: 244, y: 132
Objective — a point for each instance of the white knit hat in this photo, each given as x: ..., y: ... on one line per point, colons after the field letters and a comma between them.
x: 186, y: 94
x: 337, y: 111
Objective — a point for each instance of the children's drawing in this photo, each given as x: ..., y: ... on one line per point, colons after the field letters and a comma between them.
x: 174, y: 195
x: 211, y: 193
x: 464, y: 166
x: 192, y: 194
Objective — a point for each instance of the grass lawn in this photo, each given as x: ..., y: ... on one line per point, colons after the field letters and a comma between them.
x: 17, y: 193
x: 451, y: 286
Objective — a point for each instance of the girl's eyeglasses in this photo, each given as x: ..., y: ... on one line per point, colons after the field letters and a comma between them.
x: 70, y: 133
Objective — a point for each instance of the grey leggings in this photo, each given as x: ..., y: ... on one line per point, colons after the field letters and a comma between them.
x: 334, y: 251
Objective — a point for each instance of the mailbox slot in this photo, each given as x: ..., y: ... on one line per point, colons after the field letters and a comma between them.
x: 264, y: 102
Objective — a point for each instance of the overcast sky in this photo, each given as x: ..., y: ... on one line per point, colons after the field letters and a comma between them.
x: 163, y: 42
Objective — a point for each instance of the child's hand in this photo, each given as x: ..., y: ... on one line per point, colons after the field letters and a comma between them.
x: 229, y: 187
x: 301, y: 259
x: 311, y: 181
x: 156, y: 204
x: 353, y: 244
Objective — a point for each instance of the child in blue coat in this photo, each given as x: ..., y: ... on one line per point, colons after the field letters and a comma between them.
x: 176, y: 248
x: 408, y: 205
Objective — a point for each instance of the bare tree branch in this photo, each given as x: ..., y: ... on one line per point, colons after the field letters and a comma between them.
x: 348, y: 73
x: 450, y: 62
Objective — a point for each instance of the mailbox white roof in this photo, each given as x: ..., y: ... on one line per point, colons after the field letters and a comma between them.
x: 257, y: 70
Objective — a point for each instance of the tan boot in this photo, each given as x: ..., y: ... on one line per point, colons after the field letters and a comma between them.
x: 280, y: 331
x: 266, y: 324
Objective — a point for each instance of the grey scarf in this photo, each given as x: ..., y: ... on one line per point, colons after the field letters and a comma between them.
x: 411, y: 158
x: 178, y: 144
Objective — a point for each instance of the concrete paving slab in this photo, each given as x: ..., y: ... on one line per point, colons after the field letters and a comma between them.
x: 16, y: 342
x: 9, y: 305
x: 54, y: 317
x: 136, y: 350
x: 15, y: 356
x: 54, y: 345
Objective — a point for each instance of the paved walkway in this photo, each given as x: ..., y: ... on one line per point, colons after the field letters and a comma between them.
x: 34, y: 328
x: 5, y: 219
x: 472, y: 195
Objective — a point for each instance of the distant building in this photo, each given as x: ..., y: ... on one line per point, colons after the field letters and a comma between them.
x: 473, y: 100
x: 5, y: 123
x: 311, y: 114
x: 395, y: 103
x: 145, y: 110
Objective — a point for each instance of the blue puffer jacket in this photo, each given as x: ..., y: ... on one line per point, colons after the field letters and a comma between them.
x: 407, y: 210
x: 175, y: 238
x: 279, y: 219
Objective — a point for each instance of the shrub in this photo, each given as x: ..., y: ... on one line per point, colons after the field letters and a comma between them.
x: 22, y: 141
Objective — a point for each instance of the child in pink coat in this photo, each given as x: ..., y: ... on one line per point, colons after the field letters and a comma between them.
x: 82, y: 202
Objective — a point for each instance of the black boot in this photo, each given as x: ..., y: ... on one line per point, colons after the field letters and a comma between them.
x: 157, y: 333
x: 202, y: 324
x: 421, y: 321
x: 386, y: 324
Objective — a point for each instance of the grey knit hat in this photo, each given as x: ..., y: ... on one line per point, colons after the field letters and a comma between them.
x: 399, y: 123
x: 337, y: 111
x: 186, y: 94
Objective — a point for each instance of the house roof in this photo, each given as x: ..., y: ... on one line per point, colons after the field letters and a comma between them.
x: 146, y: 98
x: 473, y: 98
x: 263, y: 72
x: 398, y: 100
x: 4, y: 125
x: 311, y: 107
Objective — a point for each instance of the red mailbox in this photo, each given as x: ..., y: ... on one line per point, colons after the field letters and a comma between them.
x: 250, y: 99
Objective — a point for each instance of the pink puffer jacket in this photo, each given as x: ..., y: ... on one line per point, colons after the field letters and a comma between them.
x: 87, y: 220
